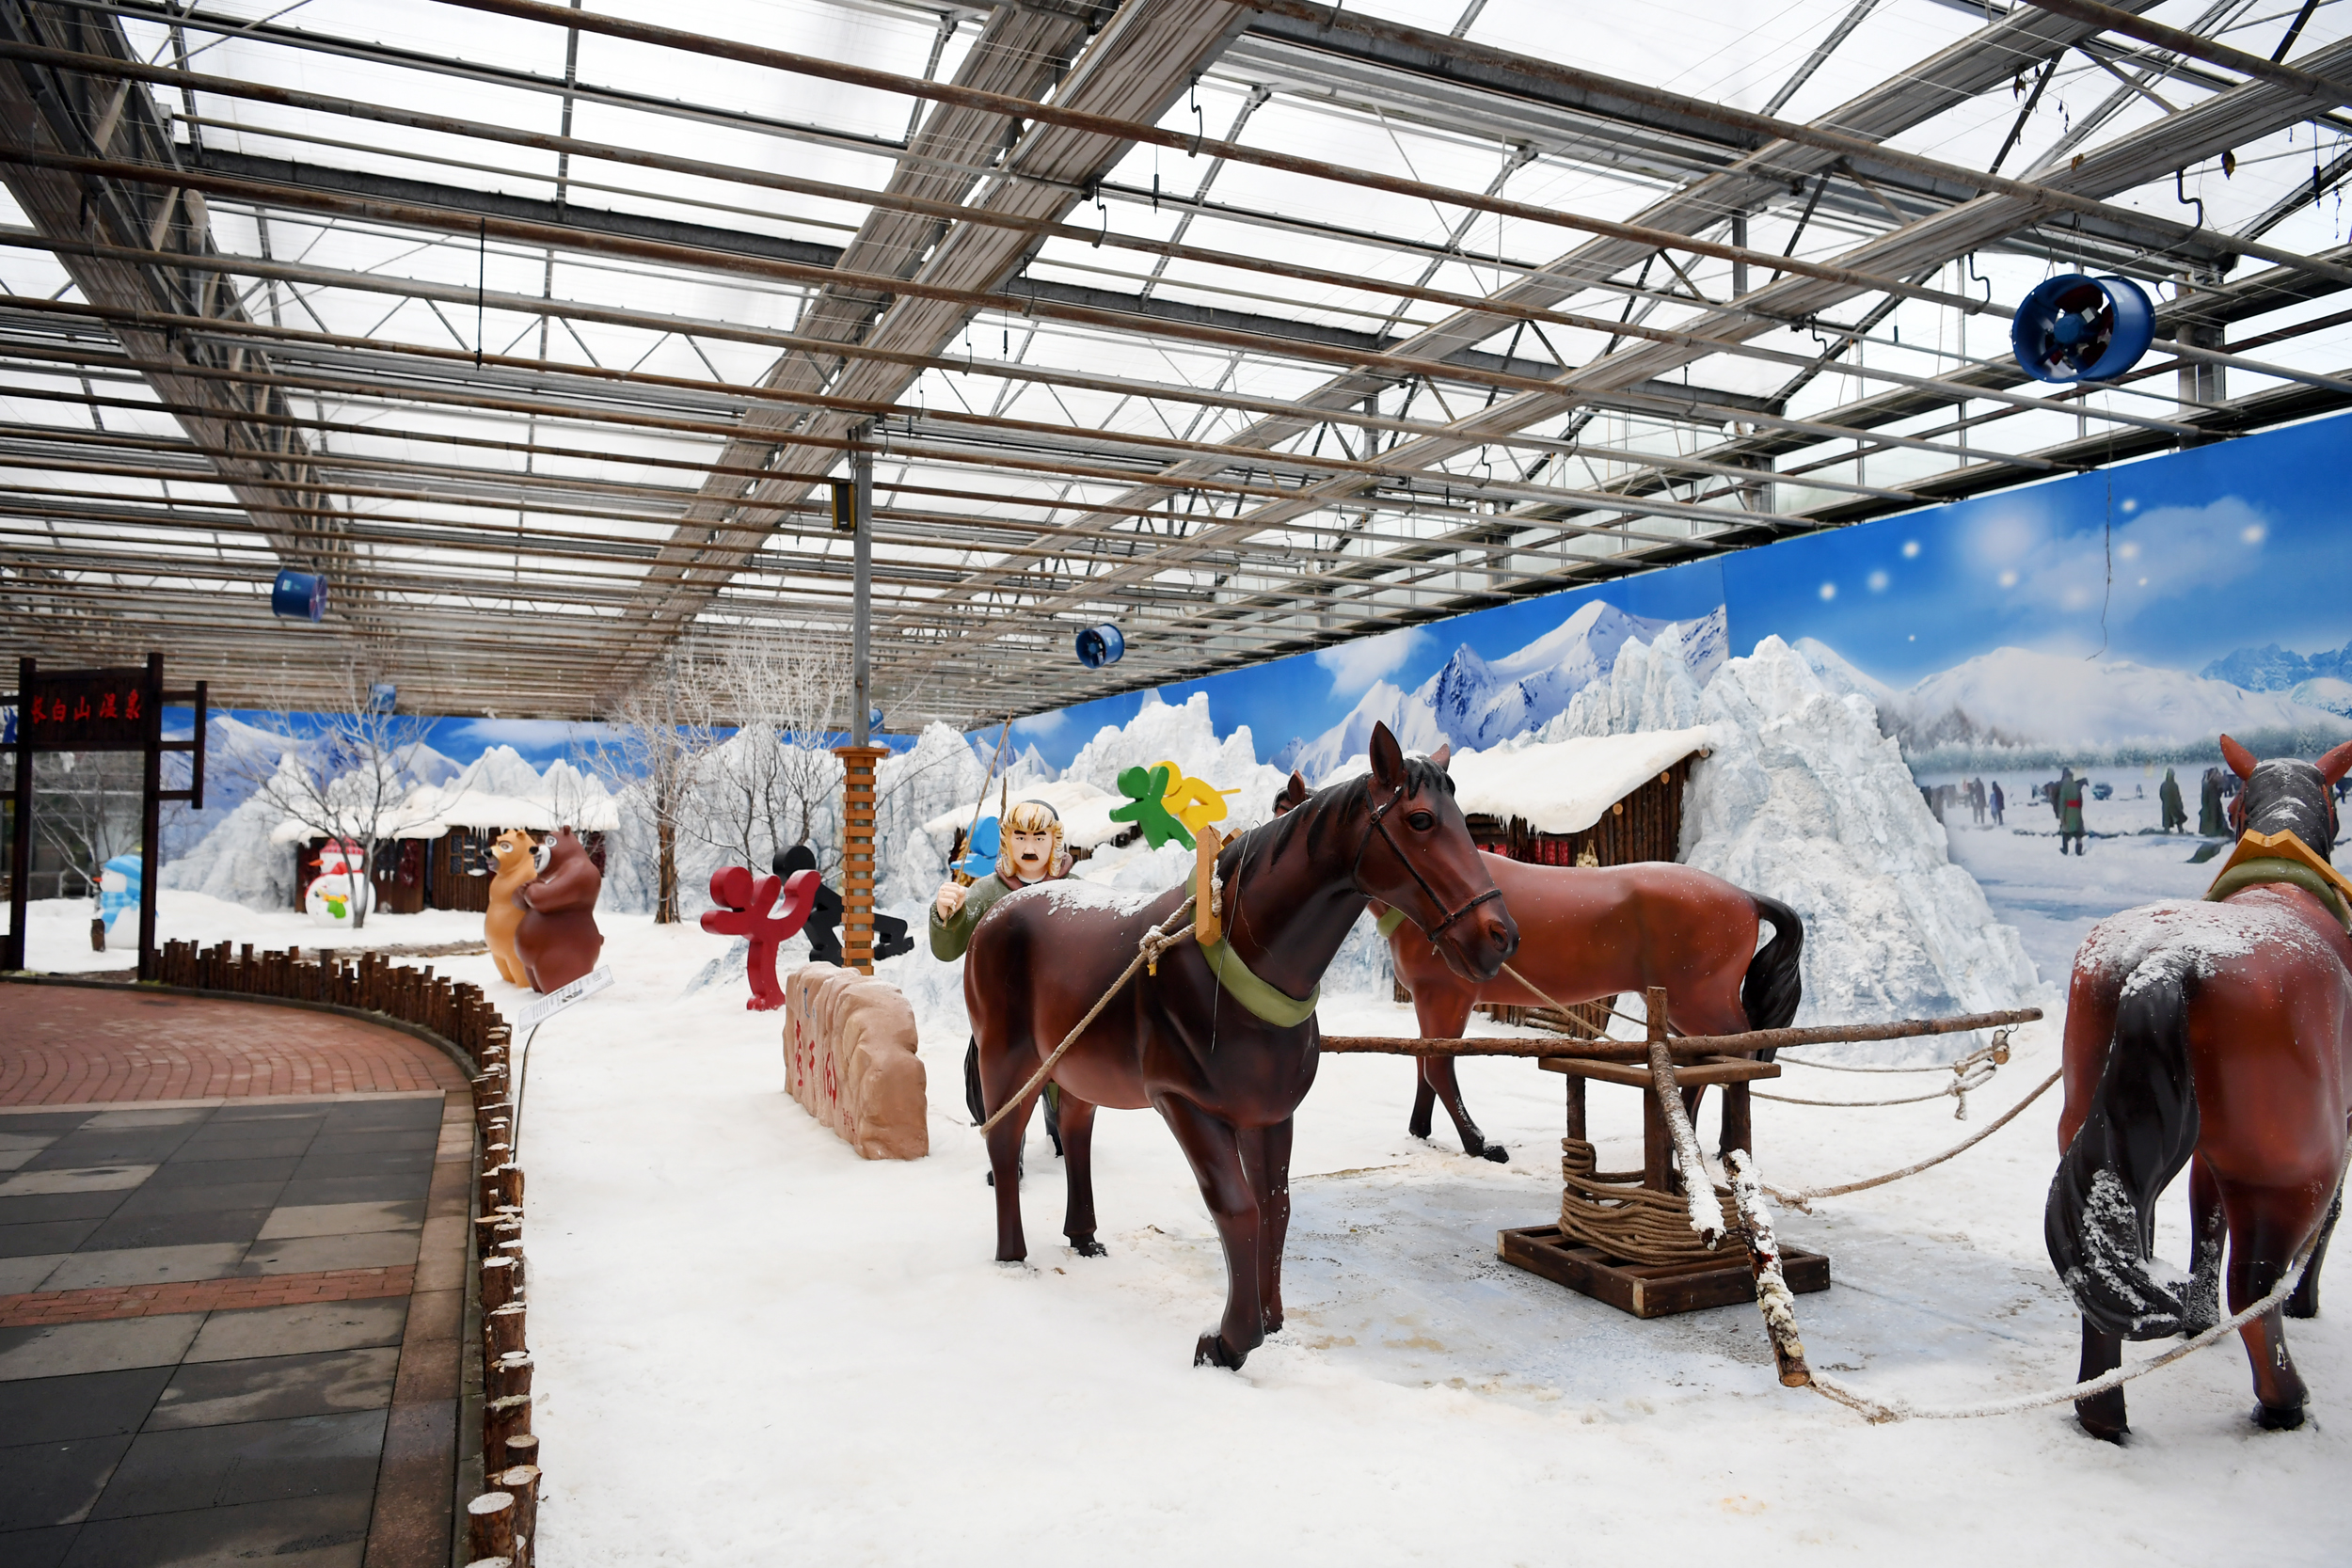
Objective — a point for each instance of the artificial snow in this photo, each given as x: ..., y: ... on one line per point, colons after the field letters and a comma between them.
x: 753, y: 1346
x: 1563, y: 786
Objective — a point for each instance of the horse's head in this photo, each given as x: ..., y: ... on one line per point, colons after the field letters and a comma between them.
x: 2287, y: 795
x: 1418, y: 857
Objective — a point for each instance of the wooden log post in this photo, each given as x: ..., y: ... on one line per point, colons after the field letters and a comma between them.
x: 501, y: 1420
x: 506, y: 1374
x: 521, y: 1482
x: 523, y: 1449
x: 502, y: 1330
x: 490, y: 1527
x: 857, y: 853
x: 501, y: 1281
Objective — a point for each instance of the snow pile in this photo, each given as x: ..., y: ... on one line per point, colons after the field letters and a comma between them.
x: 1805, y: 799
x: 1563, y: 786
x: 238, y: 861
x: 1186, y: 737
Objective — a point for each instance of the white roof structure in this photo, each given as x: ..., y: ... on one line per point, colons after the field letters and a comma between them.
x: 1563, y: 786
x: 1252, y: 328
x: 429, y: 811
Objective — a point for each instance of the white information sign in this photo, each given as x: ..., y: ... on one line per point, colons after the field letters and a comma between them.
x: 538, y: 1012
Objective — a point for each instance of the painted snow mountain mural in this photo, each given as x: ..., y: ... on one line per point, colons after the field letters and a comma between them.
x: 2020, y: 700
x: 2322, y: 680
x: 1475, y: 703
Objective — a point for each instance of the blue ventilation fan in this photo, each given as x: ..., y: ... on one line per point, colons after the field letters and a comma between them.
x: 1101, y: 645
x: 2077, y: 328
x: 298, y: 596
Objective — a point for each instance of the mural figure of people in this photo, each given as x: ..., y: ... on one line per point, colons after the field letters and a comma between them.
x: 2169, y: 799
x: 824, y: 921
x: 1030, y: 851
x: 2211, y: 822
x: 2067, y: 799
x: 2000, y: 803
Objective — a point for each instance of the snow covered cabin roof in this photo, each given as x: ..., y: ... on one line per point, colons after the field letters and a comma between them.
x: 1085, y: 814
x: 1558, y: 786
x: 431, y: 811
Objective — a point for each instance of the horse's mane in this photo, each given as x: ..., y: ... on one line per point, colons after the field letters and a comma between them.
x: 2287, y: 795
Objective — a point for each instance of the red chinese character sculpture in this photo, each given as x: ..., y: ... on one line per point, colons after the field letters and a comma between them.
x: 743, y: 902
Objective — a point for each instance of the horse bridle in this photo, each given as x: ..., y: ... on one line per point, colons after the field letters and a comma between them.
x: 1379, y: 825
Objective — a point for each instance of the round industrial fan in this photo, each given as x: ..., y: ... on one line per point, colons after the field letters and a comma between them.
x: 2078, y: 329
x: 1101, y: 645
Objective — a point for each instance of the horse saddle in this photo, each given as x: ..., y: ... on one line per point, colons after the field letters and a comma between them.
x: 2282, y: 857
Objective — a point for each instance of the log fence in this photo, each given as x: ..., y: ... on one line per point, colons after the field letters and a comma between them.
x: 502, y: 1523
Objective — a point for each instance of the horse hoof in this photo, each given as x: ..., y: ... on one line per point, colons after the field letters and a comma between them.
x: 1212, y: 1351
x: 1496, y: 1153
x: 2297, y: 1307
x: 1418, y: 1126
x: 1088, y: 1247
x: 2277, y: 1417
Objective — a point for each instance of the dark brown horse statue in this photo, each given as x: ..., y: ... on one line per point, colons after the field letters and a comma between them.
x: 2220, y: 1030
x: 1222, y: 1040
x: 1589, y: 932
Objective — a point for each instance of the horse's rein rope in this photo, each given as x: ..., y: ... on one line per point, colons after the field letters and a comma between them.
x: 1356, y: 872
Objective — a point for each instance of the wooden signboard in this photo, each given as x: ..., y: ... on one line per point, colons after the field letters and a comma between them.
x: 98, y: 710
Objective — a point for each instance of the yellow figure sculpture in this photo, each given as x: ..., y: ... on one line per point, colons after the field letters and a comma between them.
x: 517, y: 854
x: 1192, y: 802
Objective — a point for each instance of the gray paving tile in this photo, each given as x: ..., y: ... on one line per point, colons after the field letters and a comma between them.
x: 217, y: 1393
x: 341, y: 1219
x: 187, y: 1229
x: 197, y: 1150
x: 305, y: 1109
x: 19, y: 1275
x: 254, y: 1462
x: 126, y: 1120
x: 198, y: 1199
x: 56, y: 1483
x: 33, y: 1208
x: 121, y: 1148
x: 220, y: 1173
x: 423, y: 1110
x: 308, y: 1532
x: 56, y: 1123
x: 88, y: 1405
x: 398, y: 1141
x: 300, y: 1329
x: 61, y: 1350
x: 399, y: 1187
x: 38, y: 1548
x: 310, y: 1254
x: 316, y: 1168
x: 18, y: 1241
x: 93, y: 1179
x: 146, y: 1265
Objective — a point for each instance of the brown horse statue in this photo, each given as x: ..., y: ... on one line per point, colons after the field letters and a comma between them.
x: 2220, y: 1030
x: 1590, y: 932
x: 1222, y: 1040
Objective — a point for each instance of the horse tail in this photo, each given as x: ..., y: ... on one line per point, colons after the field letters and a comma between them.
x: 1774, y: 982
x: 2100, y: 1221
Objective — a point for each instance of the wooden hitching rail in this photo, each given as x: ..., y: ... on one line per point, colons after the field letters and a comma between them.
x: 502, y: 1522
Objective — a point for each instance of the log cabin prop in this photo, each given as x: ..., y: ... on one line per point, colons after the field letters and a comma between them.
x: 1630, y: 1238
x: 1588, y: 800
x: 114, y: 709
x: 437, y: 849
x: 850, y: 1060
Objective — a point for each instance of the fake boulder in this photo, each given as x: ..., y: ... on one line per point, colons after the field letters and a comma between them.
x: 849, y: 1057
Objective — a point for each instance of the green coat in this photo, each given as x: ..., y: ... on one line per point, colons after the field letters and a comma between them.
x: 2212, y: 822
x: 2169, y: 797
x: 2070, y: 806
x: 950, y: 938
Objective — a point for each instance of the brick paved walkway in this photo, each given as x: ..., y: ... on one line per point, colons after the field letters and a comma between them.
x: 71, y: 1045
x: 229, y: 1322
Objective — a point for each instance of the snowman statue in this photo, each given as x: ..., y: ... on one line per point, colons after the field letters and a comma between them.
x: 340, y: 894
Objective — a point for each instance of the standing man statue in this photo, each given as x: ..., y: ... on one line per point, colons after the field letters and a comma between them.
x: 1029, y: 850
x: 2068, y: 801
x: 2169, y: 798
x: 2000, y: 803
x: 2210, y: 820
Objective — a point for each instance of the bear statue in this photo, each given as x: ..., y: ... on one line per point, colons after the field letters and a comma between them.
x: 558, y: 940
x: 514, y: 852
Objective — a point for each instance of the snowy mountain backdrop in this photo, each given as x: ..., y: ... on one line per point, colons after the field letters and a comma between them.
x: 1475, y: 703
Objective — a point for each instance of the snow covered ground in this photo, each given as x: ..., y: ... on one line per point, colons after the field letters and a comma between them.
x: 56, y: 930
x: 2052, y: 903
x: 755, y: 1347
